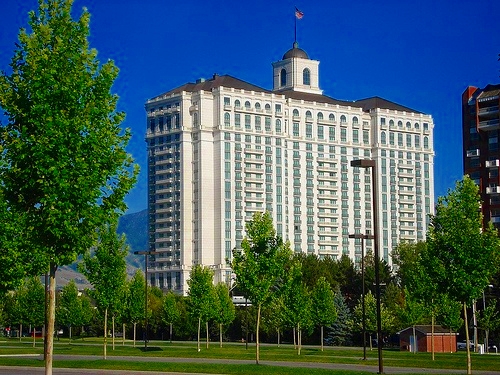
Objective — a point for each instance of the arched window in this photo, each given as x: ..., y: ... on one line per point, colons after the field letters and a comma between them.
x: 331, y: 117
x: 247, y: 104
x: 355, y: 120
x: 417, y: 125
x: 237, y: 103
x: 408, y: 125
x: 283, y: 77
x: 257, y: 106
x: 391, y: 123
x: 278, y: 126
x: 320, y: 116
x: 268, y: 107
x: 426, y: 142
x: 227, y: 119
x: 306, y: 77
x: 400, y: 124
x: 383, y: 138
x: 343, y: 119
x: 295, y: 113
x: 309, y: 115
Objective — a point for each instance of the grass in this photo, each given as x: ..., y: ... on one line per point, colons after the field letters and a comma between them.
x: 230, y: 351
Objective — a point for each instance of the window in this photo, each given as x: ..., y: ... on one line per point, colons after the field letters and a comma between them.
x: 308, y: 116
x: 321, y: 134
x: 247, y: 104
x: 331, y: 117
x: 343, y: 134
x: 268, y: 124
x: 268, y: 107
x: 283, y: 77
x: 355, y: 135
x: 237, y: 103
x: 227, y: 100
x: 237, y: 120
x: 306, y: 77
x: 355, y: 120
x: 257, y: 106
x: 343, y: 119
x: 227, y: 119
x: 426, y: 142
x: 295, y: 129
x: 320, y: 116
x: 295, y: 113
x: 278, y: 126
x: 383, y: 138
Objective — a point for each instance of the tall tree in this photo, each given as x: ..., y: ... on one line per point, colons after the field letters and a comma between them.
x: 323, y: 307
x: 259, y: 265
x: 171, y: 312
x: 105, y: 268
x: 461, y: 254
x: 225, y: 311
x: 339, y: 333
x: 31, y: 299
x: 69, y: 311
x: 201, y: 296
x: 410, y: 313
x: 65, y: 169
x: 135, y: 301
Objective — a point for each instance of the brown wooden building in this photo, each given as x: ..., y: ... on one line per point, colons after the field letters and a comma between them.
x: 444, y: 340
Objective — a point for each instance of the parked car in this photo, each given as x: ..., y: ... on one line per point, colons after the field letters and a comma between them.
x: 462, y: 345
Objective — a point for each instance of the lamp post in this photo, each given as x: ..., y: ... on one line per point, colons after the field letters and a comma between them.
x: 363, y: 237
x: 146, y: 254
x: 369, y: 163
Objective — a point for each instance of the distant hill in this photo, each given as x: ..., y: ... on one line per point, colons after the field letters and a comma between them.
x: 135, y: 228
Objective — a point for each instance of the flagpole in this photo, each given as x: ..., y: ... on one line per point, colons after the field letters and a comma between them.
x: 295, y: 36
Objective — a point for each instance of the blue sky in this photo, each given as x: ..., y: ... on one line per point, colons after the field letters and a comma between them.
x: 421, y: 54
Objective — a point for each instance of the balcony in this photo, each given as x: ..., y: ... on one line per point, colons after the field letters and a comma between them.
x: 472, y: 153
x: 489, y: 125
x: 493, y: 190
x: 492, y: 163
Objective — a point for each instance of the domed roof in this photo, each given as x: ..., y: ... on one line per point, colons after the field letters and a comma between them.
x: 295, y: 51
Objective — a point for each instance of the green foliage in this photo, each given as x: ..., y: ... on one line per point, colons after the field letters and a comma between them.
x: 323, y: 306
x: 31, y: 302
x: 225, y: 310
x: 134, y: 310
x: 201, y: 295
x: 489, y: 318
x: 72, y: 309
x: 339, y: 333
x: 387, y: 317
x: 449, y: 312
x: 461, y: 255
x: 171, y: 312
x: 105, y: 268
x: 411, y: 312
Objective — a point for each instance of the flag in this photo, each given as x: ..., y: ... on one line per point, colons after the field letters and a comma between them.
x: 299, y: 14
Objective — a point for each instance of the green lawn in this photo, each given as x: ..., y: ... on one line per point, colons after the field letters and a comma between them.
x: 93, y: 346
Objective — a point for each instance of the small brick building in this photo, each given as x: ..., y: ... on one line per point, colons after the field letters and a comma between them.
x: 444, y: 340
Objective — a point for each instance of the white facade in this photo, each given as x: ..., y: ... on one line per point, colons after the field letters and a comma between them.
x: 220, y: 150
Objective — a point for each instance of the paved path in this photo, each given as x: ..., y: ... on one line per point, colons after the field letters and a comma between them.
x: 330, y: 366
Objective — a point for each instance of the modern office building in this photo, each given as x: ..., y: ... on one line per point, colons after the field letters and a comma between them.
x: 221, y: 149
x: 481, y: 154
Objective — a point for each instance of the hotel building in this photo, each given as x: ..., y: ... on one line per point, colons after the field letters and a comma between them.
x: 481, y: 154
x: 221, y: 149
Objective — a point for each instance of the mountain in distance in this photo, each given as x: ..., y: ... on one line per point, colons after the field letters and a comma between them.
x: 135, y: 228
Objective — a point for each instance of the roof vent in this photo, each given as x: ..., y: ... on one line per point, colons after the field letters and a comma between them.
x: 200, y: 80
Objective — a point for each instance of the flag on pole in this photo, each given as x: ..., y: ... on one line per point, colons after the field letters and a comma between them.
x: 299, y: 14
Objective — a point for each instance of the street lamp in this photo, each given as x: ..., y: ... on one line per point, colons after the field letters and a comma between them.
x: 146, y: 254
x: 369, y: 163
x: 363, y: 237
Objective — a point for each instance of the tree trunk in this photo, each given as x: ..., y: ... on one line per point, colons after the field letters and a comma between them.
x: 322, y: 349
x: 113, y: 332
x: 415, y: 343
x: 432, y: 335
x: 469, y: 367
x: 257, y: 356
x: 20, y: 333
x: 34, y: 337
x: 371, y: 346
x: 294, y: 338
x: 220, y: 334
x: 51, y: 312
x: 278, y: 337
x: 70, y: 333
x: 199, y: 329
x: 123, y: 334
x: 135, y: 331
x: 105, y: 331
x: 298, y: 338
x: 206, y: 329
x: 170, y: 332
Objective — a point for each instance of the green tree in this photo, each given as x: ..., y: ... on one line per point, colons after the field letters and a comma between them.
x: 259, y: 265
x: 339, y: 333
x: 201, y: 296
x: 105, y: 268
x: 449, y: 314
x: 225, y: 311
x: 65, y: 169
x: 135, y: 301
x: 461, y: 254
x: 489, y: 320
x: 69, y: 310
x: 323, y: 307
x: 171, y: 312
x: 31, y: 299
x: 410, y: 313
